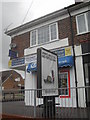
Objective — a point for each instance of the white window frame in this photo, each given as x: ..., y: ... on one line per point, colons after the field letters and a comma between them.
x: 31, y: 38
x: 56, y: 31
x: 49, y: 35
x: 86, y: 23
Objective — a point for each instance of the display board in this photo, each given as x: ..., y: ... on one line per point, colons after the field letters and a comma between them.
x: 47, y: 66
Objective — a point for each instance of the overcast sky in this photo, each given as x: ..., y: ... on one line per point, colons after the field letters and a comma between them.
x: 13, y: 14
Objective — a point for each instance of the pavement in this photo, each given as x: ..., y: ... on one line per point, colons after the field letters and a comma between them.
x: 19, y: 108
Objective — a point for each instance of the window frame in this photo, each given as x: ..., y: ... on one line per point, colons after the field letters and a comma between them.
x: 56, y: 31
x: 31, y: 37
x: 69, y: 92
x: 49, y: 35
x: 86, y: 23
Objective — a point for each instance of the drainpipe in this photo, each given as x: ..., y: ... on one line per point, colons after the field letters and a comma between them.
x: 72, y: 39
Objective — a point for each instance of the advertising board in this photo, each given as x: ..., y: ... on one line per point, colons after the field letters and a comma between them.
x: 47, y: 72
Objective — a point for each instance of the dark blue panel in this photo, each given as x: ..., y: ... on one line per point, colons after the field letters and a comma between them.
x: 65, y: 61
x: 18, y: 61
x: 32, y: 67
x: 62, y: 62
x: 12, y: 54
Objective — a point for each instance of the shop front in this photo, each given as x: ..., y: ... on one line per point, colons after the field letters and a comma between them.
x: 65, y: 72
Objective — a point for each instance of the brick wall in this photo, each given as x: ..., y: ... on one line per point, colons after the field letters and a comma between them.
x: 79, y: 39
x: 65, y: 31
x: 22, y: 42
x: 10, y: 83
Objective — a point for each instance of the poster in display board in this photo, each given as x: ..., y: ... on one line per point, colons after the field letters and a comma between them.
x: 47, y: 72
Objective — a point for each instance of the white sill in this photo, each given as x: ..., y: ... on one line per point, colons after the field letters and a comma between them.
x: 82, y: 33
x: 50, y: 45
x: 44, y: 43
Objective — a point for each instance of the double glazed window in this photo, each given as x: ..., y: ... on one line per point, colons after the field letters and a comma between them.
x: 83, y: 22
x: 44, y: 34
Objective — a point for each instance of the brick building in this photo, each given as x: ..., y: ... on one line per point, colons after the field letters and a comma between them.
x: 11, y: 80
x: 65, y: 32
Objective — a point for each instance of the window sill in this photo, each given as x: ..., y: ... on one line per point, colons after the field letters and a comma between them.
x: 44, y: 43
x: 78, y: 34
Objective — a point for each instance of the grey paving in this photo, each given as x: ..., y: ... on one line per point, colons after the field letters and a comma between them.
x: 19, y: 108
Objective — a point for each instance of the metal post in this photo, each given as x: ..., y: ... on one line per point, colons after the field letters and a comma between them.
x: 34, y: 103
x: 49, y: 107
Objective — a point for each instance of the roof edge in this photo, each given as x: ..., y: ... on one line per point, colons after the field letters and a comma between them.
x: 46, y: 17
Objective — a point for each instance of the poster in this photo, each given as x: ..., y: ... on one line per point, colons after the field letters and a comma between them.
x: 49, y: 70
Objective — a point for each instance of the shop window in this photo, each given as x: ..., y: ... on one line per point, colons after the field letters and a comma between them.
x: 44, y: 34
x: 83, y: 24
x: 64, y: 84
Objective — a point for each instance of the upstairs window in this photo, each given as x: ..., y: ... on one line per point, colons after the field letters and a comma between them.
x: 33, y: 37
x: 53, y: 31
x: 44, y: 34
x: 83, y: 23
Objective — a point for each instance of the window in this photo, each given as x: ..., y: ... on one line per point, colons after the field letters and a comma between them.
x: 64, y: 84
x: 88, y: 20
x: 33, y: 37
x: 83, y: 22
x: 44, y: 34
x: 53, y: 31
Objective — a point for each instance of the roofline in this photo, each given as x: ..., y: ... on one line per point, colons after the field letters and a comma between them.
x: 6, y: 79
x: 46, y: 17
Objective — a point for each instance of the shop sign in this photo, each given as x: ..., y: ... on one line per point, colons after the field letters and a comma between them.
x: 68, y: 51
x: 12, y: 54
x: 30, y: 59
x: 10, y: 63
x: 63, y: 52
x: 32, y: 67
x: 18, y: 61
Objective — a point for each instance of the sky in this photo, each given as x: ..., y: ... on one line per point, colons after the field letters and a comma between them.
x: 19, y: 12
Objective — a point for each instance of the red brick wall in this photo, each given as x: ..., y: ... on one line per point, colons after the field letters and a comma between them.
x: 65, y: 31
x: 10, y: 83
x: 78, y: 39
x: 22, y: 42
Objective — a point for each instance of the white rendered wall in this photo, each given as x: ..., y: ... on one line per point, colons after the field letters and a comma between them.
x: 80, y: 76
x: 30, y: 86
x: 31, y: 83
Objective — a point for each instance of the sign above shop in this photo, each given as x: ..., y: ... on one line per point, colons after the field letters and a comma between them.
x: 30, y: 59
x: 32, y: 67
x: 16, y: 62
x: 13, y: 54
x: 65, y: 58
x: 65, y: 61
x: 63, y: 52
